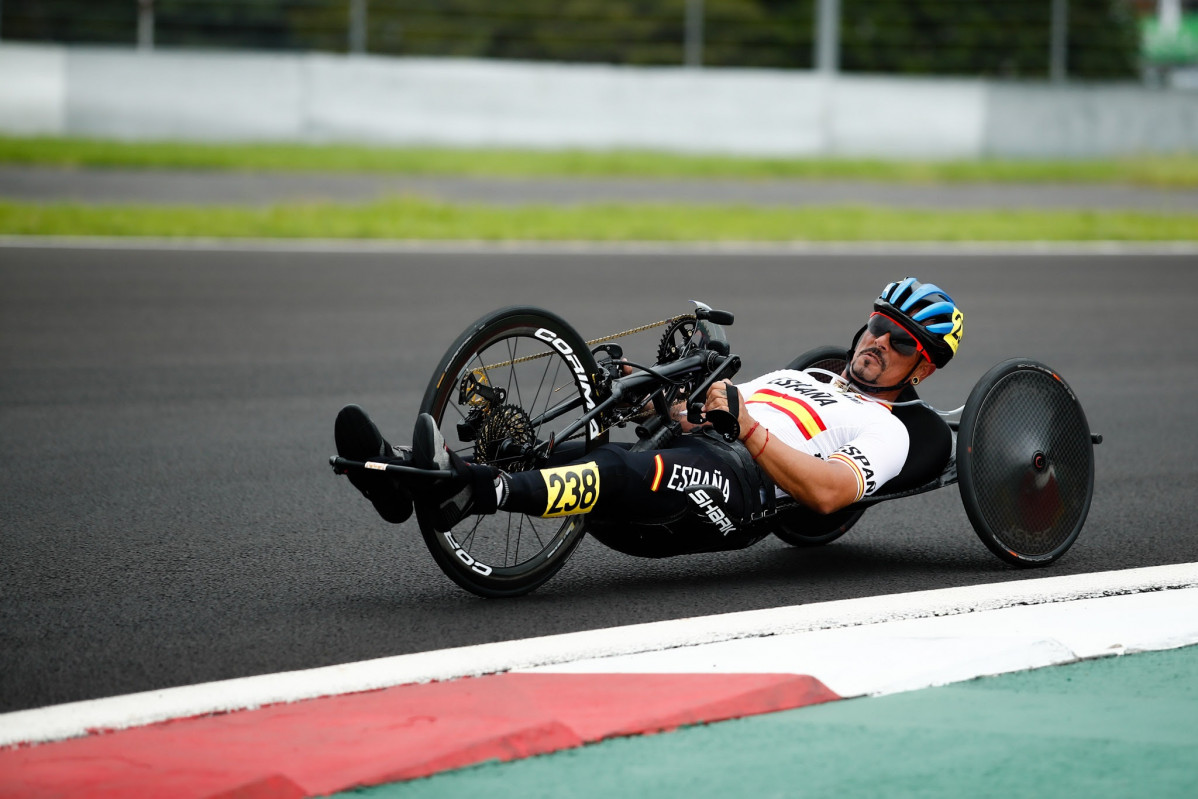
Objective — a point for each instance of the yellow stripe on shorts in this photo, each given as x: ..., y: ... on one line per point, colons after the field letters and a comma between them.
x: 660, y: 466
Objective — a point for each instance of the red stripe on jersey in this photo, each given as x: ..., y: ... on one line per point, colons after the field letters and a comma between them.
x: 803, y: 415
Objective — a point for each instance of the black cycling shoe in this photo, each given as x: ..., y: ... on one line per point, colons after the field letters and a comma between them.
x: 359, y: 440
x: 448, y: 500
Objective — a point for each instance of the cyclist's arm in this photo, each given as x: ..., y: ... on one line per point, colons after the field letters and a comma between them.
x: 823, y: 486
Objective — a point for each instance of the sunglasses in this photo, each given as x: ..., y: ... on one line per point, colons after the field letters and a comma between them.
x: 901, y: 341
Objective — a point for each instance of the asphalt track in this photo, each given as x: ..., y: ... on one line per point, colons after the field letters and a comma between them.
x: 167, y: 515
x: 170, y: 187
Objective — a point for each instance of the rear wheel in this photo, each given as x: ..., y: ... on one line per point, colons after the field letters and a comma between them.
x: 1025, y: 461
x: 514, y: 382
x: 802, y: 527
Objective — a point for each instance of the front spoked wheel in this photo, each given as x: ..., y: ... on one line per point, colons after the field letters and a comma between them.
x: 512, y: 391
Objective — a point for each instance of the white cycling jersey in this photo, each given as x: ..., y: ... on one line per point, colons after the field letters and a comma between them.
x: 830, y: 422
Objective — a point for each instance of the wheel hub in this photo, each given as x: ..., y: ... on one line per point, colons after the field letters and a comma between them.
x: 506, y: 439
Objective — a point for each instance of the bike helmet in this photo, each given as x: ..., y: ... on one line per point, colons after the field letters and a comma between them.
x: 927, y: 313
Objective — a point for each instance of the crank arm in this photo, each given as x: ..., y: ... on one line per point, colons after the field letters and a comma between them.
x: 731, y: 366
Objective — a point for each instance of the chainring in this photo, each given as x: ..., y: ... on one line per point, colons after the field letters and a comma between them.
x: 675, y: 341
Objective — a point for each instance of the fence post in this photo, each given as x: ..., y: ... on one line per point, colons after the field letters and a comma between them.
x: 1168, y: 14
x: 357, y: 26
x: 694, y: 33
x: 1059, y: 42
x: 145, y: 25
x: 827, y: 36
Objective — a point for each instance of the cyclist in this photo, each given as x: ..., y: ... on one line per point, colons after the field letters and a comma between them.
x: 825, y: 445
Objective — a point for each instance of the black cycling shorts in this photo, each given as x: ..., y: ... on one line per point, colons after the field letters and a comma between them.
x: 698, y: 475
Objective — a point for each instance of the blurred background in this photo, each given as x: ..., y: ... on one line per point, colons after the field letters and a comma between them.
x: 933, y: 79
x: 1027, y: 39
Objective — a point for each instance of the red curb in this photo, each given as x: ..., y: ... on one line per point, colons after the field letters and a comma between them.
x: 276, y: 786
x: 321, y: 746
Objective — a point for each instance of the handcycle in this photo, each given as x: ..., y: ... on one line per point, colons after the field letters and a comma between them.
x: 521, y: 389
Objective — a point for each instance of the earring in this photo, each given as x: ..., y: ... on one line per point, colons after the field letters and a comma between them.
x: 915, y: 381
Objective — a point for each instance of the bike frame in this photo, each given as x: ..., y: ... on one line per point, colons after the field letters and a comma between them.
x: 709, y: 362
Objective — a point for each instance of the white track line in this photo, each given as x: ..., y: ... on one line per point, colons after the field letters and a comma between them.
x: 919, y: 653
x: 641, y: 248
x: 74, y: 719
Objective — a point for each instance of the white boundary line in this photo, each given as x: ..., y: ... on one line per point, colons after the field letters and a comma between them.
x: 909, y: 654
x: 734, y: 248
x: 78, y: 718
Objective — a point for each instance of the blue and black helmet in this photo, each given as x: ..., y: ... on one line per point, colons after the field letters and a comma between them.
x: 927, y: 313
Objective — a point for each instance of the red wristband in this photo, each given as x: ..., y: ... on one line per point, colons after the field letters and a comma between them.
x: 763, y: 446
x: 752, y: 430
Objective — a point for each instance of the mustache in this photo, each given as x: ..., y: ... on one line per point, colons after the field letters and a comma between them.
x: 877, y: 353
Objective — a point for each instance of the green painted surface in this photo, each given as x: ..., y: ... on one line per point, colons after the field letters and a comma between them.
x: 1116, y: 727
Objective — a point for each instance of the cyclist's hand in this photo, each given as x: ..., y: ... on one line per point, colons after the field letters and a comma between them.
x: 717, y: 399
x: 717, y: 396
x: 678, y: 414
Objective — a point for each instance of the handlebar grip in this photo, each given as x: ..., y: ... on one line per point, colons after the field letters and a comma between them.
x: 725, y: 422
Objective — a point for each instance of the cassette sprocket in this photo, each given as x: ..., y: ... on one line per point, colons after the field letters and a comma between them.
x: 506, y: 439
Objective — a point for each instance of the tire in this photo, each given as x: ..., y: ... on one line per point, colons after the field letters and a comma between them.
x: 1025, y: 462
x: 829, y: 358
x: 803, y: 527
x: 529, y: 360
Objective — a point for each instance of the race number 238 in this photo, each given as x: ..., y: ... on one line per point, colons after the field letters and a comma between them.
x: 572, y: 489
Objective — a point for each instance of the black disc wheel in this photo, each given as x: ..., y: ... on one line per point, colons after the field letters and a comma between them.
x: 803, y: 527
x: 512, y: 391
x: 1025, y: 461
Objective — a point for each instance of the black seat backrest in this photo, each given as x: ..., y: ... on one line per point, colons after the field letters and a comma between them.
x: 931, y: 445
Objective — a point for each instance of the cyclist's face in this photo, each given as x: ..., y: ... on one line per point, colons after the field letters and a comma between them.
x: 878, y: 359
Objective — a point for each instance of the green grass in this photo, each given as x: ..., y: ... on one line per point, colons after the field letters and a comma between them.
x: 419, y: 219
x: 1166, y: 172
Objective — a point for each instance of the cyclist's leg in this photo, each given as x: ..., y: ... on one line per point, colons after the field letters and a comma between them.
x: 653, y: 487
